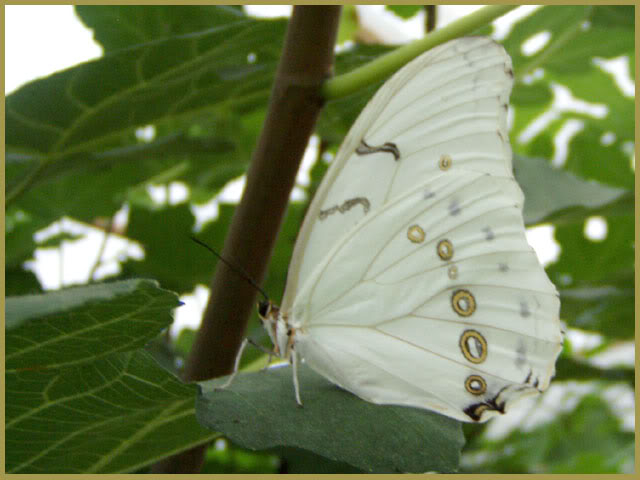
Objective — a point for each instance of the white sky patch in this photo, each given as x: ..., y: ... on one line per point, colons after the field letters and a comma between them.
x: 618, y: 68
x: 563, y: 101
x: 72, y: 261
x: 561, y: 141
x: 596, y: 228
x: 533, y: 77
x: 608, y: 138
x: 620, y: 354
x: 172, y: 193
x: 41, y: 39
x: 204, y: 213
x: 146, y: 134
x: 387, y: 27
x: 190, y: 314
x: 269, y: 11
x: 535, y: 43
x: 582, y: 341
x: 621, y: 398
x: 542, y: 241
x: 505, y: 23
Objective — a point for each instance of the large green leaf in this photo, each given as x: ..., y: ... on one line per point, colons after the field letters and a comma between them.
x: 98, y: 321
x: 596, y: 278
x: 121, y: 26
x: 80, y: 394
x: 258, y: 411
x: 552, y: 194
x: 204, y: 80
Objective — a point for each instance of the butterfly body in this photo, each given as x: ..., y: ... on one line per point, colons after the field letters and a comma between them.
x: 412, y: 281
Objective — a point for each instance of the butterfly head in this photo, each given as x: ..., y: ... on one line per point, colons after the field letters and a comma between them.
x: 268, y: 314
x: 264, y: 309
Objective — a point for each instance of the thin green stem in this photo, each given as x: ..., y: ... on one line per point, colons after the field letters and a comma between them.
x: 101, y: 250
x: 383, y: 66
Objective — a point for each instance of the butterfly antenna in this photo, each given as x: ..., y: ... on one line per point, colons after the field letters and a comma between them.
x: 239, y: 270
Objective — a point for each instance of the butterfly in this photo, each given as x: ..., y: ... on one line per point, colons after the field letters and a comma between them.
x: 412, y: 282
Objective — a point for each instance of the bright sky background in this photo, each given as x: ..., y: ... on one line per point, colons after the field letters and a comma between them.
x: 42, y: 39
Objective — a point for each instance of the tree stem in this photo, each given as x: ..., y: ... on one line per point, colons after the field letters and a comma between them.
x: 294, y: 106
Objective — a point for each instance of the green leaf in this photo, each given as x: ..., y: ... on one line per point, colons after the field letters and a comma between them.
x: 80, y: 324
x: 551, y: 194
x: 338, y: 115
x: 568, y: 368
x: 167, y: 229
x: 404, y: 11
x: 258, y: 411
x: 297, y: 460
x: 596, y: 278
x: 80, y: 394
x: 585, y: 263
x: 232, y: 459
x: 348, y: 25
x: 578, y: 36
x: 606, y: 309
x: 121, y: 26
x: 19, y: 281
x: 56, y: 240
x: 116, y: 414
x: 173, y: 83
x: 20, y: 227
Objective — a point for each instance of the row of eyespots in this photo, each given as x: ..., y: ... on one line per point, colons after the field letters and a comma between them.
x: 472, y: 344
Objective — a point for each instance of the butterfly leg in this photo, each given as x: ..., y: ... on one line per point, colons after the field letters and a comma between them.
x: 296, y: 385
x: 269, y: 352
x: 226, y: 384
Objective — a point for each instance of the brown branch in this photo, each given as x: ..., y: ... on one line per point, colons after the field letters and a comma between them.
x: 295, y: 103
x: 430, y: 25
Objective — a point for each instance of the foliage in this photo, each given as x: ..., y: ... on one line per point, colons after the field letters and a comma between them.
x: 83, y: 394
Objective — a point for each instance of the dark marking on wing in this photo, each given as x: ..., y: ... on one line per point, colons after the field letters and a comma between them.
x: 346, y: 205
x: 364, y: 149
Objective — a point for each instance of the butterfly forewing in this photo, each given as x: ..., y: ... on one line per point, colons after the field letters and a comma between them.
x: 449, y: 103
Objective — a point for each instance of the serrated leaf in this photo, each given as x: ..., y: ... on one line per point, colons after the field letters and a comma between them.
x: 258, y: 411
x: 81, y: 396
x: 116, y: 414
x: 80, y: 324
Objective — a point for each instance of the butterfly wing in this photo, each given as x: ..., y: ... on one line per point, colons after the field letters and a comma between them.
x: 450, y: 100
x: 417, y: 285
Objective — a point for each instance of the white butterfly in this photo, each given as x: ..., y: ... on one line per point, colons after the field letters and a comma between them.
x: 412, y: 282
